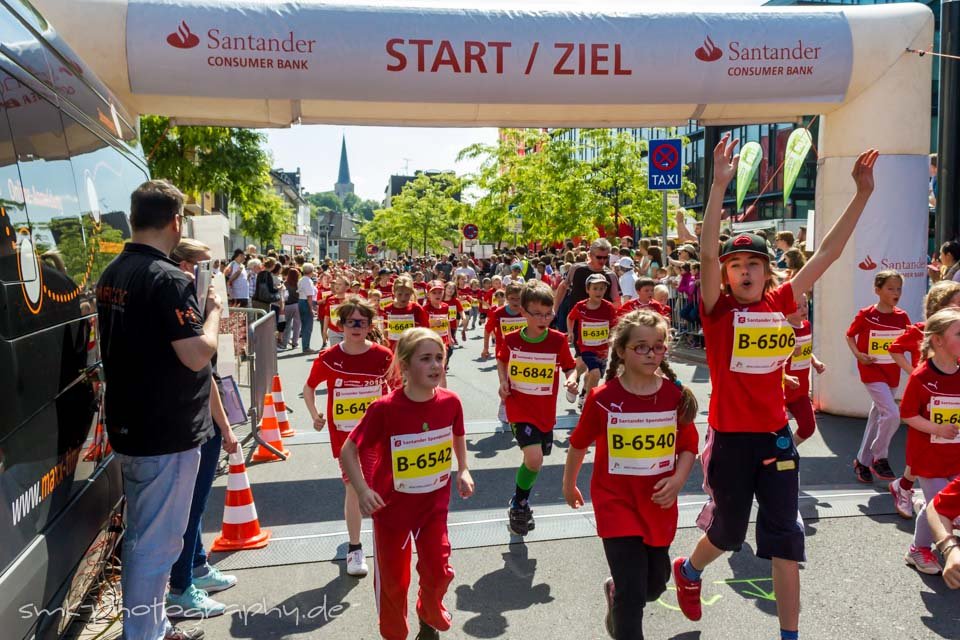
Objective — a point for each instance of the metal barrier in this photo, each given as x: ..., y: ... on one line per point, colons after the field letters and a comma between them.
x: 685, y: 320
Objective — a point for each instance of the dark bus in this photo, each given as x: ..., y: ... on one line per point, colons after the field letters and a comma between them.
x: 69, y: 159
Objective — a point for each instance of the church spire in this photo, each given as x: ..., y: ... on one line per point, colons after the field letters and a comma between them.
x: 343, y: 185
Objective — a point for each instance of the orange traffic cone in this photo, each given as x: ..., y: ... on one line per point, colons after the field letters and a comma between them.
x: 270, y: 432
x: 241, y: 529
x: 281, y: 408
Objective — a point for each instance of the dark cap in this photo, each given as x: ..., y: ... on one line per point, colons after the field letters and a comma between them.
x: 384, y: 272
x: 597, y: 278
x: 744, y: 243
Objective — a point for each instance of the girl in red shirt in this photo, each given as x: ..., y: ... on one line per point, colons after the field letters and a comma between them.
x: 438, y: 315
x: 455, y: 309
x: 943, y: 294
x: 931, y: 409
x: 869, y: 337
x: 403, y: 313
x: 355, y: 374
x: 749, y: 451
x: 330, y: 330
x: 642, y: 425
x: 465, y: 295
x: 412, y: 434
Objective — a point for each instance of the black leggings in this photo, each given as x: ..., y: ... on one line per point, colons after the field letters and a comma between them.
x: 640, y: 574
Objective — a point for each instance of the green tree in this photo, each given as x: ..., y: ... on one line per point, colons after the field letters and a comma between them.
x: 207, y: 159
x: 266, y: 217
x: 423, y: 216
x: 92, y: 248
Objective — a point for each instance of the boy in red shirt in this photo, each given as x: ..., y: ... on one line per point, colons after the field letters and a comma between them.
x: 527, y: 362
x: 644, y: 300
x: 438, y: 317
x: 402, y: 313
x: 504, y: 320
x: 588, y: 325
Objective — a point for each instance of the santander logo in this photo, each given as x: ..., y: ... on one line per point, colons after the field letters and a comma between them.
x: 709, y: 52
x: 868, y: 264
x: 183, y: 38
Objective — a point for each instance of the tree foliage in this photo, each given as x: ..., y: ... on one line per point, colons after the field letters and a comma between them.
x: 423, y: 216
x: 265, y: 217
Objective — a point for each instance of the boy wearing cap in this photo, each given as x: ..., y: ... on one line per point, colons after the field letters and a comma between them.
x: 628, y: 278
x: 588, y: 325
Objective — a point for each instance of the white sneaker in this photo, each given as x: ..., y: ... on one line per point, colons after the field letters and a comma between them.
x: 902, y: 499
x: 571, y: 396
x: 357, y: 564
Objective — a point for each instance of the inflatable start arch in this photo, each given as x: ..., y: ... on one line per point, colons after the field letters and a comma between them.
x: 549, y: 65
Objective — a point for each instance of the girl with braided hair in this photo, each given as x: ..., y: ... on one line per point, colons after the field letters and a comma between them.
x: 641, y: 421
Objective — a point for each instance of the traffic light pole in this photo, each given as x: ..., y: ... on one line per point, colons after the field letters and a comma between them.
x: 948, y: 150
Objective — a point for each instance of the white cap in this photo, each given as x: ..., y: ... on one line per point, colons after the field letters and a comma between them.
x: 626, y: 262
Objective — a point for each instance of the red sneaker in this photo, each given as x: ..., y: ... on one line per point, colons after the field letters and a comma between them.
x: 688, y: 592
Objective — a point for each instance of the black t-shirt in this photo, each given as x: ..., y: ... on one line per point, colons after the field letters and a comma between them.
x: 578, y: 282
x: 154, y: 404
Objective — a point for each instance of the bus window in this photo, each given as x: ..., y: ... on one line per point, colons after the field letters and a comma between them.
x: 23, y: 47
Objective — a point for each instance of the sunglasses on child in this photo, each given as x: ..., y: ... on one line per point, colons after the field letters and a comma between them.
x: 357, y: 323
x: 645, y: 349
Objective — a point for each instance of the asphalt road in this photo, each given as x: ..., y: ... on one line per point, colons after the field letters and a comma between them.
x: 855, y: 584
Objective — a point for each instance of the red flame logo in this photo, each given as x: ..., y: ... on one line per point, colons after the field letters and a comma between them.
x: 868, y: 264
x: 183, y: 38
x: 709, y: 52
x: 743, y: 241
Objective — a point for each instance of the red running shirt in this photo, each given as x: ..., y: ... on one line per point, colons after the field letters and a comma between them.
x: 644, y: 436
x: 936, y: 397
x: 799, y: 363
x: 397, y: 320
x: 353, y: 383
x: 534, y: 379
x: 438, y: 319
x: 874, y: 332
x: 748, y: 344
x: 412, y: 445
x: 592, y: 326
x: 909, y: 342
x: 947, y: 502
x: 501, y: 321
x: 328, y: 309
x: 634, y: 304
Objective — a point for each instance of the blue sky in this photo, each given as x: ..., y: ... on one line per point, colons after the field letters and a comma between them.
x: 377, y: 152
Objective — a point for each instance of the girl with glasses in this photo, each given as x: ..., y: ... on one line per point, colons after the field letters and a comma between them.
x: 355, y: 371
x: 641, y: 422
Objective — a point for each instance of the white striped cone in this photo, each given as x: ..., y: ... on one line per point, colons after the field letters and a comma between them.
x: 286, y: 430
x: 241, y: 528
x: 270, y: 433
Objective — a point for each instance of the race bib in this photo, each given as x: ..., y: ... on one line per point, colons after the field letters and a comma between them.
x: 641, y: 444
x: 334, y: 316
x: 879, y: 344
x: 801, y: 360
x: 509, y: 325
x: 532, y: 373
x: 385, y: 302
x: 421, y: 461
x: 440, y: 323
x: 325, y: 294
x: 453, y: 312
x: 350, y: 405
x: 398, y: 323
x: 594, y: 334
x: 762, y: 342
x: 945, y: 410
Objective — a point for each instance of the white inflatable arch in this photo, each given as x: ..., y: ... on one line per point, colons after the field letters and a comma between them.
x: 270, y: 64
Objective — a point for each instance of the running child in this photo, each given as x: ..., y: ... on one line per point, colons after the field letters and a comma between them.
x: 403, y: 313
x: 588, y: 325
x: 869, y: 337
x: 355, y: 374
x: 644, y: 300
x: 796, y: 380
x: 505, y: 319
x: 943, y: 294
x: 330, y: 329
x: 486, y: 298
x: 931, y: 409
x: 476, y: 295
x: 749, y: 450
x: 634, y: 486
x: 438, y: 316
x: 409, y: 504
x: 465, y: 296
x: 454, y: 308
x: 527, y: 362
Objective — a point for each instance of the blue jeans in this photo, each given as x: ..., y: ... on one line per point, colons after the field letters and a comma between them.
x: 306, y: 323
x: 193, y: 554
x: 158, y: 491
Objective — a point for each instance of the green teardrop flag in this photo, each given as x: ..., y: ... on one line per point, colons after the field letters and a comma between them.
x: 798, y: 146
x: 750, y: 156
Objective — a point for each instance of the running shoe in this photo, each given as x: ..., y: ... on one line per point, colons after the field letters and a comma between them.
x: 520, y: 519
x: 688, y: 592
x: 193, y: 603
x: 902, y: 499
x: 608, y: 591
x: 923, y: 560
x: 862, y: 472
x: 214, y: 581
x: 571, y: 396
x: 581, y: 399
x: 881, y: 469
x: 357, y: 564
x: 427, y: 632
x: 176, y: 633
